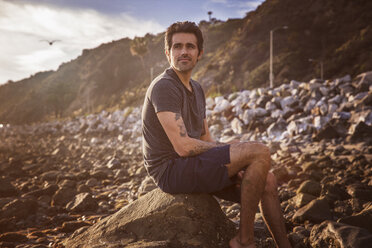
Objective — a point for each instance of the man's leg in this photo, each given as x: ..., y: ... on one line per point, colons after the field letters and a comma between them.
x: 255, y: 159
x: 272, y: 214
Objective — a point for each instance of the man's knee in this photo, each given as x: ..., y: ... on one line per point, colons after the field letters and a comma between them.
x: 254, y: 149
x: 248, y: 153
x: 259, y: 152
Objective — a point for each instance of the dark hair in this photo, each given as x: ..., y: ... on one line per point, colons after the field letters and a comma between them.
x: 183, y: 27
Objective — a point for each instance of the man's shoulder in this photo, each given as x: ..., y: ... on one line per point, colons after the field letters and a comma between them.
x: 162, y: 84
x: 163, y: 79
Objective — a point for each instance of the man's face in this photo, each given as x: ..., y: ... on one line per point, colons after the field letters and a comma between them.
x: 184, y: 53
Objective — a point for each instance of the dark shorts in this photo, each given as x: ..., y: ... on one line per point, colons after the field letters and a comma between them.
x: 204, y: 173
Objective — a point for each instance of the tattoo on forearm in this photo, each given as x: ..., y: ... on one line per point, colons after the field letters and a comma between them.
x: 204, y: 147
x: 199, y: 149
x: 183, y: 131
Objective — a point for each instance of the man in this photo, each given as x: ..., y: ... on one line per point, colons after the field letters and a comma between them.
x: 181, y: 156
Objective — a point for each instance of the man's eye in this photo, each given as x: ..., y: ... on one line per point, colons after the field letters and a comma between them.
x: 177, y: 46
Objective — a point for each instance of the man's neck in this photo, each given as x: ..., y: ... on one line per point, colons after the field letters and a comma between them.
x: 185, y: 78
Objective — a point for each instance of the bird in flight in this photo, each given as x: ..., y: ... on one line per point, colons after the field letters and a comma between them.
x: 50, y: 42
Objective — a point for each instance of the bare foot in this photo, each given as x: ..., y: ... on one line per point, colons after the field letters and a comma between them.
x: 235, y: 243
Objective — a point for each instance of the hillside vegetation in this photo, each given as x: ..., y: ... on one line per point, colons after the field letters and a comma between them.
x: 111, y: 76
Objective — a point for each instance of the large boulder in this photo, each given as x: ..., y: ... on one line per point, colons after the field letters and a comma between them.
x: 362, y: 219
x: 316, y: 211
x: 181, y: 220
x: 333, y: 234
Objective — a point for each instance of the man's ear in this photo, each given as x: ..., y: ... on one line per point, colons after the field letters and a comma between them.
x: 167, y: 54
x: 200, y: 54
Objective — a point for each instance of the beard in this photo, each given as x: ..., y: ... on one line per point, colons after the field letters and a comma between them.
x: 184, y: 64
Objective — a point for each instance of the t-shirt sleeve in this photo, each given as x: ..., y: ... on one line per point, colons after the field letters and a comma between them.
x: 165, y: 96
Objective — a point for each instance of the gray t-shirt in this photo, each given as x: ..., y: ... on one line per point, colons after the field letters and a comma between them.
x: 168, y: 93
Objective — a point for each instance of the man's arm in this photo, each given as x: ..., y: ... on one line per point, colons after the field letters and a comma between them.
x: 207, y: 135
x: 184, y: 145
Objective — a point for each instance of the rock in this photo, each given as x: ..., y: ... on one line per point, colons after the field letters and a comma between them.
x: 310, y: 166
x: 360, y: 131
x: 332, y: 108
x: 82, y: 202
x: 330, y: 130
x: 248, y: 116
x: 237, y: 126
x: 301, y: 199
x: 334, y: 191
x: 185, y: 220
x: 288, y: 101
x: 114, y: 163
x: 310, y: 187
x: 71, y: 226
x: 276, y: 129
x: 19, y: 208
x: 329, y: 233
x: 13, y: 237
x: 320, y: 121
x: 365, y: 81
x: 297, y: 240
x: 221, y: 105
x: 83, y: 189
x: 360, y: 191
x: 7, y: 188
x: 344, y: 79
x: 92, y: 182
x: 63, y: 196
x: 102, y: 174
x: 310, y: 105
x: 281, y: 174
x: 147, y: 185
x: 49, y: 190
x: 7, y: 225
x: 362, y: 219
x: 209, y: 103
x: 260, y: 112
x: 270, y: 106
x: 50, y: 175
x: 316, y: 211
x: 298, y: 127
x: 67, y: 184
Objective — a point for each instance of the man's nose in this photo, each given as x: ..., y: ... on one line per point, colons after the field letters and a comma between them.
x: 184, y: 50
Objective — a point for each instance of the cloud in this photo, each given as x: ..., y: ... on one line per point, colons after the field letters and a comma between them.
x: 228, y: 8
x: 24, y: 25
x: 219, y: 1
x: 245, y: 7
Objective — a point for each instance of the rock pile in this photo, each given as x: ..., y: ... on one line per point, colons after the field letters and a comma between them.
x: 62, y: 177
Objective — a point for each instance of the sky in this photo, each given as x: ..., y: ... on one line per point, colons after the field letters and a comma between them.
x: 26, y: 26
